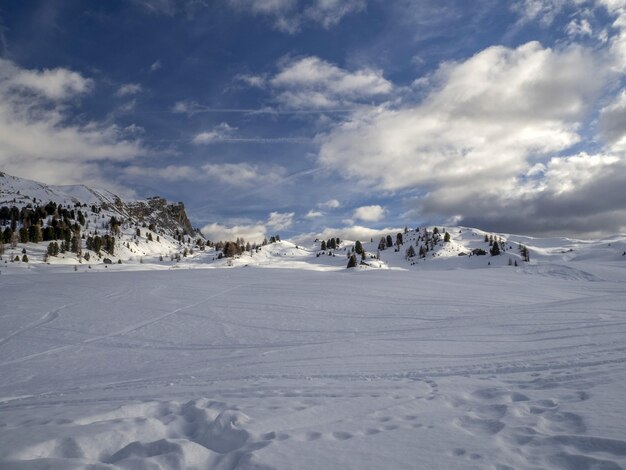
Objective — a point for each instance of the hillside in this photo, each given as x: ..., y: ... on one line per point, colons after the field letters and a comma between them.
x: 88, y: 225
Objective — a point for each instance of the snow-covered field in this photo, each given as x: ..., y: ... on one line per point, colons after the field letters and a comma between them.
x: 491, y: 367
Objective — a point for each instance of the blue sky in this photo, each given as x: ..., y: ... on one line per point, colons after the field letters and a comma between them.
x: 326, y: 117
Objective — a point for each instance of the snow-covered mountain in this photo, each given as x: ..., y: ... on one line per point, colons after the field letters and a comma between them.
x: 155, y: 234
x: 151, y: 227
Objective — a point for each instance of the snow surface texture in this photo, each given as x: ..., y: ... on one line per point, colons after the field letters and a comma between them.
x: 424, y: 365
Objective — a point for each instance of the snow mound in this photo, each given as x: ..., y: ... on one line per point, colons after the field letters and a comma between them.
x: 199, y: 434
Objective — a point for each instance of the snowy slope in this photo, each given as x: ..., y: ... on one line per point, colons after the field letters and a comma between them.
x: 291, y: 368
x: 20, y: 191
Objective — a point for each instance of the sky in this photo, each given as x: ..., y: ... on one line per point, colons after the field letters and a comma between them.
x: 310, y: 118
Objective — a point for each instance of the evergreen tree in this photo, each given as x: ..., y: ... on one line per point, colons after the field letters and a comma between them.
x: 389, y: 241
x: 495, y: 249
x: 323, y: 246
x: 34, y: 233
x: 358, y: 248
x: 446, y: 238
x: 25, y: 258
x: 352, y: 261
x: 399, y: 239
x: 23, y: 235
x: 410, y: 252
x: 231, y: 249
x: 382, y: 244
x: 7, y: 235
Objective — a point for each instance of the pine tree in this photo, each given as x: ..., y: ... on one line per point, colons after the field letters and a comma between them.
x: 389, y: 241
x: 352, y: 261
x: 410, y: 252
x: 323, y: 246
x: 495, y: 249
x: 358, y: 248
x: 382, y: 244
x: 25, y: 258
x: 446, y: 238
x: 230, y: 249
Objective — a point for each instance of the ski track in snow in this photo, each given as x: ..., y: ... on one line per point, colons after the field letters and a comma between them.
x: 258, y: 368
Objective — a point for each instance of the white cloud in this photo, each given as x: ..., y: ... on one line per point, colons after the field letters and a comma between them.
x: 186, y: 107
x: 311, y: 82
x: 369, y: 213
x: 57, y: 84
x: 349, y: 232
x: 218, y: 133
x: 290, y: 16
x: 482, y: 122
x: 330, y: 204
x: 313, y: 214
x: 580, y: 27
x: 156, y: 65
x: 217, y: 232
x: 613, y: 123
x: 253, y: 232
x: 543, y: 10
x: 36, y: 139
x: 280, y: 221
x: 251, y: 80
x: 128, y: 89
x: 487, y: 138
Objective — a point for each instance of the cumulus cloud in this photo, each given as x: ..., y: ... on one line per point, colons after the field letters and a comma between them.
x: 57, y: 84
x: 38, y: 141
x: 471, y: 143
x: 349, y: 232
x: 290, y: 16
x: 128, y: 89
x: 257, y: 81
x: 218, y: 133
x: 369, y: 213
x: 253, y: 232
x: 487, y: 116
x: 217, y: 232
x: 313, y: 214
x: 330, y: 204
x: 311, y: 82
x: 613, y: 123
x: 280, y: 221
x: 187, y: 107
x: 581, y: 194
